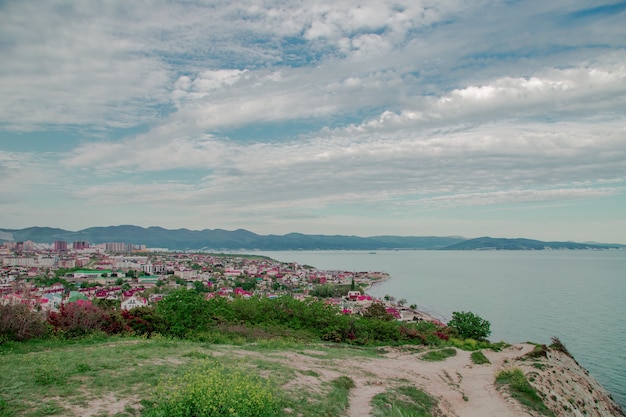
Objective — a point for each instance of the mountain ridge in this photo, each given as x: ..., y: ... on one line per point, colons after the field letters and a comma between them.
x: 242, y: 239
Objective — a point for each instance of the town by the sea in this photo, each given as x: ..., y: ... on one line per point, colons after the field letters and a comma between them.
x: 577, y: 296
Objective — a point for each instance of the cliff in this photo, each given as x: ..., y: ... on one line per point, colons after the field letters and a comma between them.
x: 567, y: 388
x: 67, y: 379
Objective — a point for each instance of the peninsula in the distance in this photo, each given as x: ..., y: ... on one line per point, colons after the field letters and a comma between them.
x: 241, y: 239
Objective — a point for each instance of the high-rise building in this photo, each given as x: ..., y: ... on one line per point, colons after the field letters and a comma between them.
x: 119, y: 247
x: 60, y: 246
x: 80, y: 245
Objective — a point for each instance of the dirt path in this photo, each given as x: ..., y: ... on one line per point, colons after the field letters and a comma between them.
x: 462, y: 388
x: 361, y: 397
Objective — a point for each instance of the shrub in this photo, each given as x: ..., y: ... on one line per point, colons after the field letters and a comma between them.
x: 469, y: 325
x: 210, y: 391
x: 371, y: 330
x: 143, y: 320
x: 520, y: 389
x: 78, y: 318
x: 185, y: 311
x: 18, y: 322
x: 560, y: 346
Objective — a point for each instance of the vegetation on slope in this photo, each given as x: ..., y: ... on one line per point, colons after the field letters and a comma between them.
x: 520, y: 389
x: 159, y: 376
x: 85, y: 351
x: 404, y: 401
x: 188, y: 314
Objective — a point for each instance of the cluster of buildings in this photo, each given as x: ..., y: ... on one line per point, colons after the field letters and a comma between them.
x: 45, y: 276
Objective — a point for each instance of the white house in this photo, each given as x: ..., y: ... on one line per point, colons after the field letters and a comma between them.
x: 133, y: 301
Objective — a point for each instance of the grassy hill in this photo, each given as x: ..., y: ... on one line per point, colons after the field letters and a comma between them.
x: 132, y: 376
x: 123, y: 376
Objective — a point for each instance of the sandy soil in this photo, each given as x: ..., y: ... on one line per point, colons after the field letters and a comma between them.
x: 461, y: 388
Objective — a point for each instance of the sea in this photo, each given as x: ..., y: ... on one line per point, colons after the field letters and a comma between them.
x: 578, y: 296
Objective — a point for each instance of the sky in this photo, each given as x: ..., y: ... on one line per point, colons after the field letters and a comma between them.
x: 406, y: 117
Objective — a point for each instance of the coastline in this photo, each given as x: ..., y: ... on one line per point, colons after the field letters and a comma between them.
x: 558, y: 396
x: 440, y: 282
x: 408, y: 314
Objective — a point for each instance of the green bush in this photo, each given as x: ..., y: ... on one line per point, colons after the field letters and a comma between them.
x: 469, y: 325
x: 373, y: 331
x: 479, y: 358
x: 18, y: 322
x: 210, y: 391
x: 439, y: 355
x: 185, y: 311
x: 189, y: 315
x: 520, y: 389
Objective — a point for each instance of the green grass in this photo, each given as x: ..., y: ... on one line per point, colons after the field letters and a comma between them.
x: 438, y: 355
x: 472, y: 345
x: 83, y: 370
x: 403, y: 401
x: 310, y: 372
x: 332, y: 402
x: 65, y: 376
x: 479, y: 358
x: 520, y: 389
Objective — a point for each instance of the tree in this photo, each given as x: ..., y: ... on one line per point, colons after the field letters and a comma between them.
x: 185, y: 311
x: 19, y: 322
x: 402, y: 302
x: 377, y: 311
x: 200, y: 287
x: 469, y: 325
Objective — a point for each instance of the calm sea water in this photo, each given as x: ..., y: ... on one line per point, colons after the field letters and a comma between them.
x: 578, y: 296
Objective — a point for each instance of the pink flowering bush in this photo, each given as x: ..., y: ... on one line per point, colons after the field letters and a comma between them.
x: 77, y: 319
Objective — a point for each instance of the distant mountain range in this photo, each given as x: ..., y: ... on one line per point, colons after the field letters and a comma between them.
x: 218, y: 239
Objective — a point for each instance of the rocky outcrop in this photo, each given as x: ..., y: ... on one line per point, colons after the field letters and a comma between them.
x: 566, y: 387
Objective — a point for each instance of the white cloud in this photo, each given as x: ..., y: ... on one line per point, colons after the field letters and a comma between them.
x: 515, y: 196
x: 486, y: 165
x: 428, y: 105
x: 577, y: 91
x: 114, y: 64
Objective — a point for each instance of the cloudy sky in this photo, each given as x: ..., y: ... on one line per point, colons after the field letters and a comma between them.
x: 408, y: 117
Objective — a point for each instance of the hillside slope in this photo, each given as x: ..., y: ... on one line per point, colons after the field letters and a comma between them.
x: 84, y: 379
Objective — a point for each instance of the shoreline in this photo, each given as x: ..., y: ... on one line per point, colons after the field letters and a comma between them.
x: 406, y: 312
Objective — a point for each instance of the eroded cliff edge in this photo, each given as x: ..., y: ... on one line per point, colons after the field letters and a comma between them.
x: 566, y: 387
